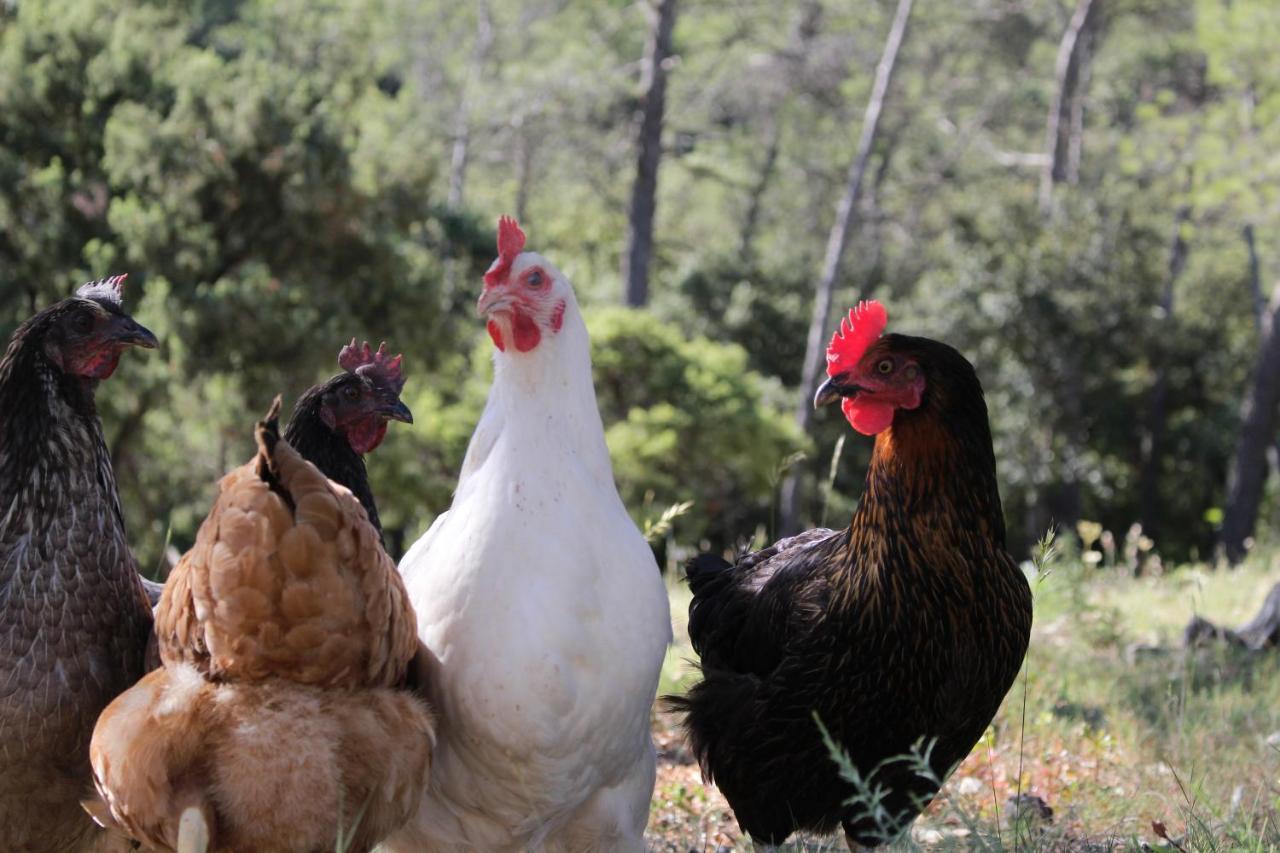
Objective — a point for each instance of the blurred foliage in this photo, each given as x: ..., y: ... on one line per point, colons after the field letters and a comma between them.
x: 278, y: 176
x: 685, y: 420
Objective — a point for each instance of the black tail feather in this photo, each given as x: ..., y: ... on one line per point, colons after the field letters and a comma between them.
x: 703, y: 569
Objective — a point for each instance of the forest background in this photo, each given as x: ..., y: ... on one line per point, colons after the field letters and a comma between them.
x: 1080, y: 195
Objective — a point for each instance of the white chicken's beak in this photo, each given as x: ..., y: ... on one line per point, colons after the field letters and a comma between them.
x: 494, y: 299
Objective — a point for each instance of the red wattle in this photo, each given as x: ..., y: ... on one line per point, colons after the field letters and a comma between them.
x: 99, y: 364
x: 525, y: 331
x: 366, y: 434
x: 496, y: 334
x: 868, y: 416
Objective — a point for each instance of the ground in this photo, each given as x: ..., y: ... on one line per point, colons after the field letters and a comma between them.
x: 1132, y: 743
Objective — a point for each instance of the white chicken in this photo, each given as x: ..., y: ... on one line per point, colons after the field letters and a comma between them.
x: 539, y: 600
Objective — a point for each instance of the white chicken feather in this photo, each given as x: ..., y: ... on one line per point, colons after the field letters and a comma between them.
x: 540, y: 602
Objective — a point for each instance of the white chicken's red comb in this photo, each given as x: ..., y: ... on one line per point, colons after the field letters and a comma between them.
x: 510, y: 245
x: 378, y: 366
x: 858, y: 331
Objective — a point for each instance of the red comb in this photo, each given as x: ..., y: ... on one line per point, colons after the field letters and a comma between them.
x: 857, y: 332
x: 381, y: 368
x: 510, y: 244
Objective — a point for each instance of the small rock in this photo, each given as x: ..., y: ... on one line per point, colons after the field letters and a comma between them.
x: 934, y: 836
x: 1091, y: 715
x: 1028, y: 807
x: 1135, y: 653
x: 928, y: 836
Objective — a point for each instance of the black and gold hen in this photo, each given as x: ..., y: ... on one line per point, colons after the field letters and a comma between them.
x: 338, y: 421
x: 901, y: 632
x: 73, y: 618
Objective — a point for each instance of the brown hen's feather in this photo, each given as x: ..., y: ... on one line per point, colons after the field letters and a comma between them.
x: 287, y: 578
x: 272, y: 766
x: 279, y: 716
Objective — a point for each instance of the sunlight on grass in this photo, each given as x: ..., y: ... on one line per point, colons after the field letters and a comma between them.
x: 1157, y: 609
x: 678, y: 668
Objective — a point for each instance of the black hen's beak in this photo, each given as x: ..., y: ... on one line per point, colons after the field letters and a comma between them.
x: 396, y: 411
x: 127, y: 331
x: 831, y: 390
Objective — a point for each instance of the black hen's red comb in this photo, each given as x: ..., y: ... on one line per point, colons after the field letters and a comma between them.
x: 110, y: 289
x: 510, y: 245
x: 858, y: 331
x: 378, y: 366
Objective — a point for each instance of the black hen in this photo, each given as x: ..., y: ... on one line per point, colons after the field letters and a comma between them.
x: 901, y: 632
x: 73, y: 618
x: 335, y: 423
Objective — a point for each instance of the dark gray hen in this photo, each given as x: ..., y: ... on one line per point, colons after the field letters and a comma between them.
x: 74, y: 620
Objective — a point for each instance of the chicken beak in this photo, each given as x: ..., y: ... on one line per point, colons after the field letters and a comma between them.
x: 493, y: 299
x: 831, y: 391
x: 397, y: 411
x: 129, y: 332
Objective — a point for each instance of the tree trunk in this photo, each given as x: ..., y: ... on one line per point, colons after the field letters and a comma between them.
x: 653, y: 82
x: 1067, y: 502
x: 1255, y: 278
x: 1067, y: 77
x: 1075, y: 131
x: 1158, y: 405
x: 1248, y: 473
x: 1259, y: 316
x: 1064, y: 142
x: 458, y: 158
x: 460, y: 151
x: 1262, y: 632
x: 524, y: 169
x: 841, y: 229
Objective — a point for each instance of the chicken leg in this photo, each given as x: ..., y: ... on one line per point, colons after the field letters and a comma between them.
x: 193, y: 831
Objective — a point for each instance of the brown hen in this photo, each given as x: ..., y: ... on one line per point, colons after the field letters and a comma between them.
x: 279, y: 721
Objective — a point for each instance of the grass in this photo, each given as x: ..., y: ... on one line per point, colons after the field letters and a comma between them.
x: 1133, y: 744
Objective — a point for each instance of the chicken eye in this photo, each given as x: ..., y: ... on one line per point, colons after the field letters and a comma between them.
x: 82, y: 323
x: 352, y: 393
x: 534, y: 279
x: 885, y: 366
